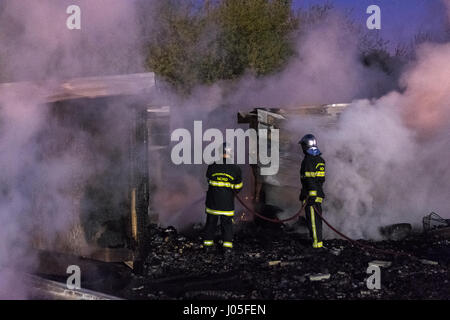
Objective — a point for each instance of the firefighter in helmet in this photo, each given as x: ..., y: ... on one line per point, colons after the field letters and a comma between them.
x: 312, y: 175
x: 224, y: 179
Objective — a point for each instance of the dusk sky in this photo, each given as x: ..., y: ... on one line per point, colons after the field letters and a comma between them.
x: 400, y: 19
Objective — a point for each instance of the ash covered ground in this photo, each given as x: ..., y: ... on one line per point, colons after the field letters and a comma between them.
x: 269, y: 263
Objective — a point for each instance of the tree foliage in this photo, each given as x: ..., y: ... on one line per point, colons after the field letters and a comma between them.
x: 196, y: 42
x: 220, y: 40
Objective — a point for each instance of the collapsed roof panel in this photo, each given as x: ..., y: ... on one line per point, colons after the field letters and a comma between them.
x: 90, y: 87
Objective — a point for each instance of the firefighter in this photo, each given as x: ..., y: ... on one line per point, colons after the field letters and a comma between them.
x: 312, y: 175
x: 224, y: 179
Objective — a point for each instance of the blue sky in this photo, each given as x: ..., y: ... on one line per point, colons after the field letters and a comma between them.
x: 400, y: 19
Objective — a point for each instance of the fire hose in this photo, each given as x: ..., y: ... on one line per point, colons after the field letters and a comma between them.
x: 269, y: 219
x: 364, y: 247
x: 391, y: 252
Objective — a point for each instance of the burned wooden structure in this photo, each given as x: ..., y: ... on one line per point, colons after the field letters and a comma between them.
x: 277, y: 195
x: 436, y: 226
x: 111, y: 123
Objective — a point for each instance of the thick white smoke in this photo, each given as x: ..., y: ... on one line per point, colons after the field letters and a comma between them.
x: 326, y: 69
x: 386, y: 157
x: 36, y: 43
x: 387, y: 160
x: 17, y: 160
x: 40, y: 177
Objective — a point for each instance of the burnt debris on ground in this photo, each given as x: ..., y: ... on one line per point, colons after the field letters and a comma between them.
x: 274, y: 264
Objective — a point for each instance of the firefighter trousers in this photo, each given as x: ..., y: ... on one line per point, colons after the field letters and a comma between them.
x: 226, y: 223
x: 314, y: 223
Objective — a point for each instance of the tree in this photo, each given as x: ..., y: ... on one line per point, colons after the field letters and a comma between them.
x: 172, y: 46
x: 203, y: 43
x: 256, y: 34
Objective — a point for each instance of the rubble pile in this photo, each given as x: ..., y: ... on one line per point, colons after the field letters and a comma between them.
x: 273, y: 264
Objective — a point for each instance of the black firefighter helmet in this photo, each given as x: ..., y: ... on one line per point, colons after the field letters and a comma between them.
x: 308, y: 141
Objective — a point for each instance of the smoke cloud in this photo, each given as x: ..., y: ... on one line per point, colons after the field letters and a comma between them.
x: 386, y: 159
x: 386, y: 155
x: 45, y: 162
x: 36, y: 43
x: 326, y: 69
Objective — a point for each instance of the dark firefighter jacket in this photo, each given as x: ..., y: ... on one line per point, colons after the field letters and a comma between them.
x: 224, y: 180
x: 312, y: 176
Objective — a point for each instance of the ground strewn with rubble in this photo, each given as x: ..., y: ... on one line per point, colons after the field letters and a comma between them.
x: 273, y: 264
